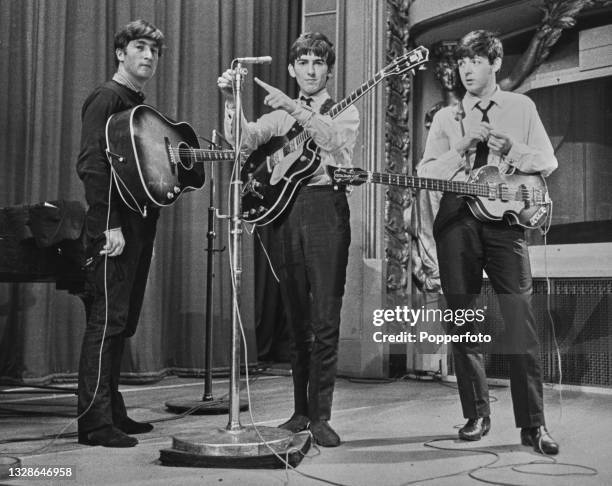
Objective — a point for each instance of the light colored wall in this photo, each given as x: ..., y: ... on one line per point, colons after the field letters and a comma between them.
x: 421, y: 10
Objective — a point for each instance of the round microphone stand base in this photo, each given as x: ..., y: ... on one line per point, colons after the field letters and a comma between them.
x: 213, y: 406
x: 242, y: 448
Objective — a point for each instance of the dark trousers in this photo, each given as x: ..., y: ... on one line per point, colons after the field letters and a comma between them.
x: 466, y: 246
x: 311, y: 255
x: 112, y: 317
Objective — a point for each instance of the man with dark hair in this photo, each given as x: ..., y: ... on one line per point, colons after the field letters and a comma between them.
x: 119, y: 246
x: 492, y: 127
x: 312, y: 238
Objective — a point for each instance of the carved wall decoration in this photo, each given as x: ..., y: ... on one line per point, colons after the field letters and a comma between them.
x: 558, y: 15
x: 397, y: 159
x: 445, y: 72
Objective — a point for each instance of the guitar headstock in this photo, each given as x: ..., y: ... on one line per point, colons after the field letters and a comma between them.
x: 348, y: 175
x: 407, y: 62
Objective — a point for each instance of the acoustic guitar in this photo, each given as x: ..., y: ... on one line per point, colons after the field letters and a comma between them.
x: 155, y: 159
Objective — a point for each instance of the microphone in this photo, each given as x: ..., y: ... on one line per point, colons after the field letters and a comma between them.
x: 255, y: 60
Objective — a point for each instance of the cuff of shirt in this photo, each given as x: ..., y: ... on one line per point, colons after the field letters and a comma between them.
x: 302, y: 114
x: 230, y: 109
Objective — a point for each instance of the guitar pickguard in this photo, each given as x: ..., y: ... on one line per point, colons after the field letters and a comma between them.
x: 269, y: 185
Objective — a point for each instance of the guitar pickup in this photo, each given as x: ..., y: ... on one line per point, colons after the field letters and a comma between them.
x: 503, y: 192
x: 492, y: 191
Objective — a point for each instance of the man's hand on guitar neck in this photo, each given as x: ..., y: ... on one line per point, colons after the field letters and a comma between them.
x: 276, y: 98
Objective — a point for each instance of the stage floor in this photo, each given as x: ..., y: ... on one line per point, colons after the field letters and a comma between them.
x: 384, y: 428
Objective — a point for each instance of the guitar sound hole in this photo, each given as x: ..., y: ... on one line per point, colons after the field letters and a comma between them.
x: 186, y: 155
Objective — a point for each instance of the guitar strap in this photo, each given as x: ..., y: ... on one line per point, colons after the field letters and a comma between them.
x: 327, y: 105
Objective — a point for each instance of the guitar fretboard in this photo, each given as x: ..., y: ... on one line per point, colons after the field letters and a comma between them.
x: 294, y: 143
x: 414, y: 58
x: 459, y: 187
x: 203, y: 155
x: 355, y: 95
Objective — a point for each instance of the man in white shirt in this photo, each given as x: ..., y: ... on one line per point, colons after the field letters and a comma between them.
x: 489, y: 127
x: 312, y: 237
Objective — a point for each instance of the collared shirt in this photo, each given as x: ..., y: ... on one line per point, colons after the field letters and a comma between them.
x: 512, y: 113
x: 335, y: 137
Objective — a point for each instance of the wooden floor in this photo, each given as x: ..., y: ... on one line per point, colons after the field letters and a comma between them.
x: 387, y: 431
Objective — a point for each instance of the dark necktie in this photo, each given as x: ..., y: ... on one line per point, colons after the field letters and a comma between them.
x: 306, y: 101
x: 482, y: 149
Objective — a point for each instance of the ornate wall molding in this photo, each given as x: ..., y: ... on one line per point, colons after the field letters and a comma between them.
x: 397, y: 158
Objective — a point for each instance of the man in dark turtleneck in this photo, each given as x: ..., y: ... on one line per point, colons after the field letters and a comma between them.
x: 119, y: 246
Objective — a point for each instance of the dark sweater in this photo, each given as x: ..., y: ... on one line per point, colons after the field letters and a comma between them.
x: 92, y: 166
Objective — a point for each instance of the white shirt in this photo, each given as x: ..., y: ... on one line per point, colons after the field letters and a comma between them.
x: 336, y: 137
x: 512, y: 113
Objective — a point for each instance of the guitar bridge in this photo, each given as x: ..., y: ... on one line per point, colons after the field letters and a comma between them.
x: 171, y: 155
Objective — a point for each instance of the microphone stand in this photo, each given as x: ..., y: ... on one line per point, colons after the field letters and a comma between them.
x: 237, y: 445
x: 208, y: 405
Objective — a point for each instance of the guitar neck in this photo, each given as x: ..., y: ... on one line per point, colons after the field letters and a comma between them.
x: 294, y: 143
x: 407, y: 62
x: 457, y: 187
x: 355, y: 95
x: 206, y: 155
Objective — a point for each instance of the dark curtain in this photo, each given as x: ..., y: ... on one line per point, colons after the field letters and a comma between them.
x: 52, y: 54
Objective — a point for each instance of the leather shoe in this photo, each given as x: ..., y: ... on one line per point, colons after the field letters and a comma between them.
x: 107, y: 436
x: 295, y: 424
x: 540, y: 440
x: 129, y: 426
x: 475, y: 429
x: 323, y: 434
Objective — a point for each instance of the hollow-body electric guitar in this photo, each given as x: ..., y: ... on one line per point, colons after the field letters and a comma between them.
x: 155, y: 159
x: 272, y: 174
x: 517, y: 198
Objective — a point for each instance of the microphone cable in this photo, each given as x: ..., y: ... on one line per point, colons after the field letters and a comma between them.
x: 235, y: 304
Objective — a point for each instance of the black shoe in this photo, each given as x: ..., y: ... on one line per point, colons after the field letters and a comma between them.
x: 540, y: 440
x: 475, y: 429
x: 295, y: 424
x: 107, y: 436
x: 323, y: 434
x: 129, y: 426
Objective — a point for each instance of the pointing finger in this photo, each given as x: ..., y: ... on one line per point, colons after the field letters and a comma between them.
x: 265, y: 86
